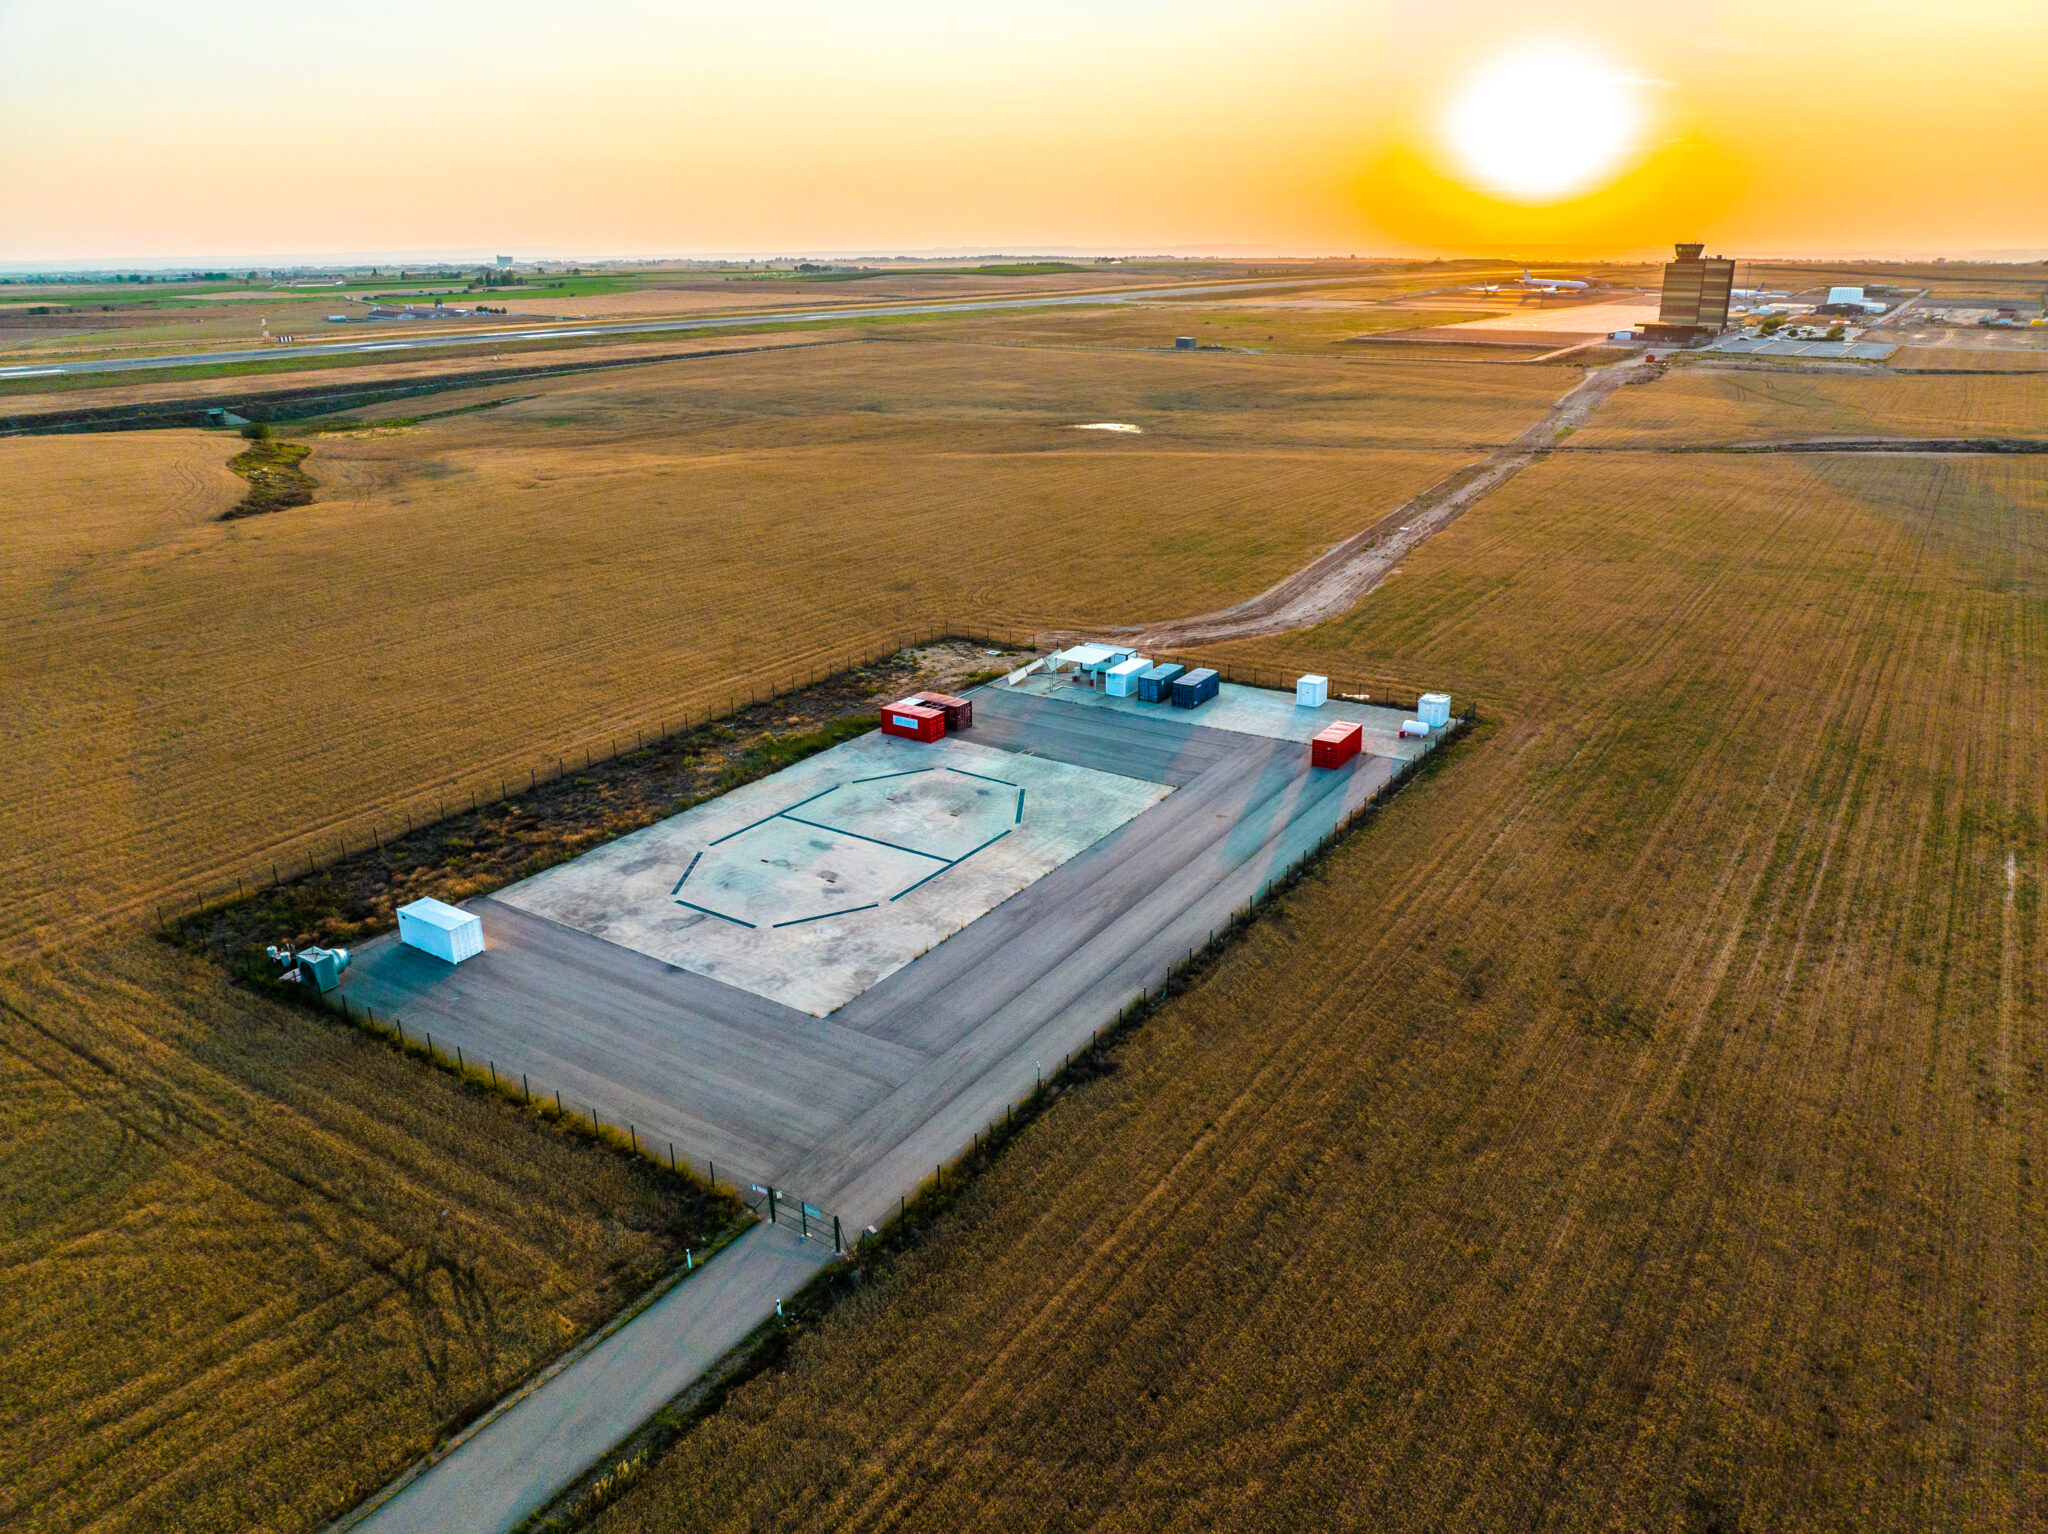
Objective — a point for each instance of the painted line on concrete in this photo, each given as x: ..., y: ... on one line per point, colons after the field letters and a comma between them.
x: 720, y: 915
x: 984, y: 777
x: 908, y: 773
x: 766, y: 818
x: 954, y: 864
x: 686, y: 873
x: 1020, y: 809
x: 823, y: 914
x: 816, y: 825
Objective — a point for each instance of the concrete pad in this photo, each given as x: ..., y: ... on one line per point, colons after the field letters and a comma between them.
x: 809, y: 887
x: 1247, y: 711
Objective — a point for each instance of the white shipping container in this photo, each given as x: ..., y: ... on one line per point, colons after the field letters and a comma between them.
x: 445, y: 931
x: 1311, y: 691
x: 1414, y: 727
x: 1434, y: 709
x: 1121, y: 680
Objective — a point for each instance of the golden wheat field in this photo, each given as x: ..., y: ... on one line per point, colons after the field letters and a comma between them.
x: 88, y: 391
x: 1706, y: 405
x: 1965, y: 356
x: 256, y: 1262
x: 1312, y: 323
x: 478, y: 597
x: 1631, y: 1130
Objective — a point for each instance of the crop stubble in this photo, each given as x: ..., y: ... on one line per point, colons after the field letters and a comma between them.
x: 1708, y: 405
x: 256, y: 1262
x: 1633, y: 1130
x: 478, y: 597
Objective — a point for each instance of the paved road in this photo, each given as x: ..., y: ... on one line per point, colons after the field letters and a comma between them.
x: 513, y: 1461
x: 514, y: 335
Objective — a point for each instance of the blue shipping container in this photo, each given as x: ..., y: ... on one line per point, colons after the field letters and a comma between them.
x: 1195, y: 689
x: 1156, y: 685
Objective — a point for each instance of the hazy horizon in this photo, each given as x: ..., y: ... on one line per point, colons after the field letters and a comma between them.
x: 133, y: 134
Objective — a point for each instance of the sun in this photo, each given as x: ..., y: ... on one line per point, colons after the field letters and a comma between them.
x: 1543, y: 122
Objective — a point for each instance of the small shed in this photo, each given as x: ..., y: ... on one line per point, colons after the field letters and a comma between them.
x: 1311, y: 691
x: 448, y: 932
x: 1121, y: 680
x: 913, y: 721
x: 1336, y: 745
x: 1091, y: 660
x: 1156, y: 685
x: 959, y: 712
x: 1434, y: 709
x: 1195, y: 688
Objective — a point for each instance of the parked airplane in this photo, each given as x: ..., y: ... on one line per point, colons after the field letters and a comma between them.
x: 1552, y: 284
x: 1537, y: 284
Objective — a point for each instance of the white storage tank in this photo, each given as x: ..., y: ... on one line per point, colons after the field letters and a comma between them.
x: 1121, y: 680
x: 1414, y: 727
x: 1434, y: 709
x: 1311, y: 691
x: 445, y: 931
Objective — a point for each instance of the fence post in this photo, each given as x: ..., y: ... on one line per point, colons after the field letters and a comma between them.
x: 837, y: 1246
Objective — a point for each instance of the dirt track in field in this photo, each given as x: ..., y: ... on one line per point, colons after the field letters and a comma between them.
x: 1337, y: 581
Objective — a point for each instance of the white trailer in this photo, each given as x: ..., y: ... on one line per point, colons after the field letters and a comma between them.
x: 1121, y: 680
x: 448, y: 932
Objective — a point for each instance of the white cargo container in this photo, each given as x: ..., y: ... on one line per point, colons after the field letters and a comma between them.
x: 1121, y: 680
x: 1414, y: 727
x: 1311, y: 691
x: 1434, y: 709
x: 445, y: 931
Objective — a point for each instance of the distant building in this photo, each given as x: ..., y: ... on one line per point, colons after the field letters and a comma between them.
x: 1695, y: 298
x: 1850, y: 301
x: 1184, y: 343
x: 504, y: 261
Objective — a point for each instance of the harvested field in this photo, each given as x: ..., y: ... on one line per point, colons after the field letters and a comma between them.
x: 484, y: 595
x: 1963, y: 357
x: 1693, y: 405
x: 256, y: 1262
x: 1632, y: 1129
x: 1315, y: 323
x: 251, y: 382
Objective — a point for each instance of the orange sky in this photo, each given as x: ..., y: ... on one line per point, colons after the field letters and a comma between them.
x: 201, y: 129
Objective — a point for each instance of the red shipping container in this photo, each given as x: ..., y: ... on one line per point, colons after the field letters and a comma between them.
x: 913, y: 721
x: 1336, y: 745
x: 959, y: 712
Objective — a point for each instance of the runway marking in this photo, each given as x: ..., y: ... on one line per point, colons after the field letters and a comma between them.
x: 823, y: 914
x: 686, y: 874
x: 841, y: 831
x: 954, y: 864
x: 983, y: 776
x: 778, y: 814
x: 720, y: 915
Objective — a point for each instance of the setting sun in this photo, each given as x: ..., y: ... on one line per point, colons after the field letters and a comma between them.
x: 1544, y: 121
